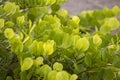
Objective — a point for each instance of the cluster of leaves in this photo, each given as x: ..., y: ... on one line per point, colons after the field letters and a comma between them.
x: 41, y: 41
x: 92, y: 18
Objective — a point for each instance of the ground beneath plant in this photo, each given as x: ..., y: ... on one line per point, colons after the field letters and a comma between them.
x: 76, y: 6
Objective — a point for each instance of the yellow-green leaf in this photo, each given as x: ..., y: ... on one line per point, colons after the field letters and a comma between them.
x: 52, y: 75
x: 62, y: 12
x: 27, y: 64
x: 109, y: 25
x: 82, y: 44
x: 97, y: 40
x: 76, y: 19
x: 75, y: 38
x: 20, y: 20
x: 1, y: 23
x: 38, y: 61
x: 73, y: 77
x: 57, y: 66
x: 50, y: 2
x: 49, y: 47
x: 9, y: 33
x: 62, y: 75
x: 10, y: 8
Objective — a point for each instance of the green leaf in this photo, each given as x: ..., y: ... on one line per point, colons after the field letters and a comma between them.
x: 62, y: 13
x: 52, y: 75
x: 109, y: 25
x: 57, y: 37
x: 113, y: 23
x: 55, y: 7
x: 36, y: 48
x: 108, y: 74
x: 49, y: 47
x: 50, y: 2
x: 9, y: 78
x: 97, y: 40
x: 51, y: 19
x: 66, y: 43
x: 16, y: 44
x: 75, y: 38
x: 57, y: 66
x: 38, y: 61
x: 1, y: 23
x: 76, y: 20
x: 82, y: 44
x: 107, y: 12
x: 62, y: 75
x: 23, y: 75
x: 21, y: 20
x: 116, y: 10
x: 26, y: 64
x: 88, y: 59
x: 105, y: 28
x: 73, y: 77
x: 37, y: 12
x: 9, y: 33
x: 44, y: 70
x: 10, y: 8
x: 9, y: 24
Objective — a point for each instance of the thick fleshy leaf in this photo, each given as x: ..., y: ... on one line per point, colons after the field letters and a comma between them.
x: 74, y: 22
x: 20, y: 20
x: 97, y: 40
x: 9, y: 24
x: 73, y: 77
x: 16, y: 44
x: 57, y: 66
x: 44, y: 70
x: 9, y: 33
x: 116, y: 10
x: 38, y: 61
x: 26, y: 64
x: 75, y: 38
x: 62, y: 75
x: 62, y: 13
x: 82, y: 44
x: 109, y: 25
x: 49, y: 47
x: 52, y: 75
x: 66, y: 43
x: 76, y: 19
x: 10, y: 8
x: 1, y: 23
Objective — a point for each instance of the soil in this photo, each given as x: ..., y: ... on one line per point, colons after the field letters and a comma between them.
x: 76, y: 6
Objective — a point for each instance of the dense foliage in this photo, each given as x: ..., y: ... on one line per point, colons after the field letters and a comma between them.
x: 41, y: 41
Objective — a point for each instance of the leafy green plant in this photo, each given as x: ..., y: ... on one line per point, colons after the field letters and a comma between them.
x: 95, y: 18
x: 41, y: 41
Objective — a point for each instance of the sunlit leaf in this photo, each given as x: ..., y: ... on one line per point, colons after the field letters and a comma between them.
x: 52, y: 75
x: 9, y: 33
x: 97, y: 40
x: 57, y: 66
x: 49, y: 47
x: 73, y: 77
x: 38, y: 61
x: 62, y: 75
x: 82, y: 44
x: 26, y: 64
